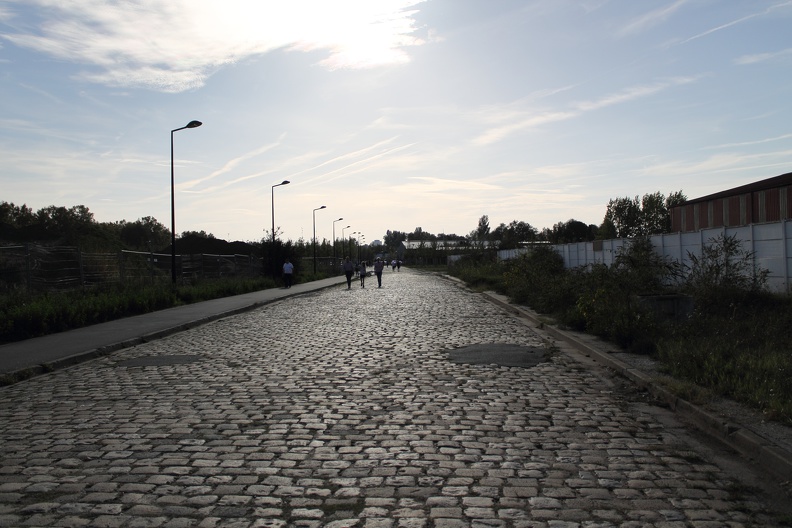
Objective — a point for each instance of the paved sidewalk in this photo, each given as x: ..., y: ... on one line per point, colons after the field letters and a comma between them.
x: 22, y: 359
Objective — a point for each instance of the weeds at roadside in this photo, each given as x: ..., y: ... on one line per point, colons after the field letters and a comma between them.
x: 736, y: 342
x: 25, y: 316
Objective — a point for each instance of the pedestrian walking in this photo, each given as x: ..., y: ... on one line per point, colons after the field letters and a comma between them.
x: 378, y: 267
x: 288, y: 273
x: 398, y: 265
x: 363, y: 274
x: 349, y: 271
x: 393, y: 265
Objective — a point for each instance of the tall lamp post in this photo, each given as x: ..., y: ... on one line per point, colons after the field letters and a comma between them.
x: 314, y: 234
x: 284, y: 182
x: 191, y: 124
x: 351, y: 252
x: 343, y: 239
x: 334, y: 241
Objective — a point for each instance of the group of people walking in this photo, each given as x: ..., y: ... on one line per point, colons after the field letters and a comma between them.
x: 349, y: 268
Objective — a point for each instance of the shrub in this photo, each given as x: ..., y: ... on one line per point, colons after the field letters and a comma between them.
x: 479, y: 273
x: 723, y: 269
x: 535, y: 279
x: 735, y: 343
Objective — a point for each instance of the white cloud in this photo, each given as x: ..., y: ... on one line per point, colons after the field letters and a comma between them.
x: 738, y: 21
x: 632, y: 93
x: 523, y: 119
x: 652, y: 18
x: 762, y: 57
x: 174, y: 46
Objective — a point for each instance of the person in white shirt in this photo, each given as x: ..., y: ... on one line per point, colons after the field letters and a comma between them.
x: 288, y: 273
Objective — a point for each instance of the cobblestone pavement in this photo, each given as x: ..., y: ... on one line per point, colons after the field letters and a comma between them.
x: 341, y: 408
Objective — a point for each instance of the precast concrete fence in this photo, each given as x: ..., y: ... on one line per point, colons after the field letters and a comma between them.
x: 769, y: 244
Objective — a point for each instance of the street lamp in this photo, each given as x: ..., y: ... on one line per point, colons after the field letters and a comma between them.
x: 334, y: 240
x: 191, y: 124
x: 343, y: 238
x: 351, y: 253
x: 363, y: 239
x: 314, y: 234
x: 284, y: 182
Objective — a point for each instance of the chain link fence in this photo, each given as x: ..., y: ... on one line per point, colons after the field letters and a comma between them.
x: 57, y: 268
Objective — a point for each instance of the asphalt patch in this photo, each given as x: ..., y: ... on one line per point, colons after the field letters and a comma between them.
x: 499, y: 354
x: 160, y: 361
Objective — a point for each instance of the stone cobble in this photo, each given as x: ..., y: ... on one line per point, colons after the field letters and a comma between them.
x: 341, y: 408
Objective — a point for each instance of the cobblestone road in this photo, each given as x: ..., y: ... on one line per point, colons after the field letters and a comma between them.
x: 341, y: 408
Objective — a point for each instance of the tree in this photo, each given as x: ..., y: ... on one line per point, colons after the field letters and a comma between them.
x: 420, y: 234
x: 15, y: 216
x: 569, y: 232
x: 392, y: 239
x: 631, y: 217
x: 144, y: 234
x: 196, y: 234
x: 513, y: 235
x: 483, y: 229
x: 624, y: 214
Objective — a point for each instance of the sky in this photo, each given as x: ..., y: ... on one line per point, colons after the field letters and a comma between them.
x: 393, y: 114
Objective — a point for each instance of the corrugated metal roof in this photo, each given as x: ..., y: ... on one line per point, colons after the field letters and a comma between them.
x: 769, y: 183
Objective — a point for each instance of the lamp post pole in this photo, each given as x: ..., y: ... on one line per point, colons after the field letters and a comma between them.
x: 334, y: 241
x: 314, y: 235
x: 191, y: 124
x: 284, y: 182
x: 351, y: 253
x: 343, y: 240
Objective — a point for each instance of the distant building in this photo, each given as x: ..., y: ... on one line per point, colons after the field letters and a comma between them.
x: 767, y: 200
x: 424, y: 251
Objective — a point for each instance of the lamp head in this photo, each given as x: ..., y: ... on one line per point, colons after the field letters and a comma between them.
x: 194, y: 124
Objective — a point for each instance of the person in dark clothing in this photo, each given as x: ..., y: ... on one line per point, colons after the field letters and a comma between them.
x: 349, y: 270
x: 379, y: 265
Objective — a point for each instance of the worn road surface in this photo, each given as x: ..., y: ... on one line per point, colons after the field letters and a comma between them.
x: 343, y: 408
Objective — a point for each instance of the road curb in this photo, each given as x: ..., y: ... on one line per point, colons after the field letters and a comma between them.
x: 16, y: 376
x: 772, y: 458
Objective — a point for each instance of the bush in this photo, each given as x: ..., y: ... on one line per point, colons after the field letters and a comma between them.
x: 737, y: 342
x: 536, y: 279
x: 723, y: 269
x: 479, y: 273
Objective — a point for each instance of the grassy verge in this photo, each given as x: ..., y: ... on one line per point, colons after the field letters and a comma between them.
x: 736, y: 342
x: 24, y: 316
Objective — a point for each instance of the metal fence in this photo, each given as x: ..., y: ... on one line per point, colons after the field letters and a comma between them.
x: 770, y: 245
x: 45, y: 268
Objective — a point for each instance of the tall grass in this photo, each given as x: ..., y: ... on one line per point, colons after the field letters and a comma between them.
x: 736, y: 342
x: 24, y: 316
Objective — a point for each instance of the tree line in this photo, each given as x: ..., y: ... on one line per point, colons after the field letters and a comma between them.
x: 625, y: 217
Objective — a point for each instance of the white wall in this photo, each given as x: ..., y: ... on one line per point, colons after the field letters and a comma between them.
x: 771, y: 244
